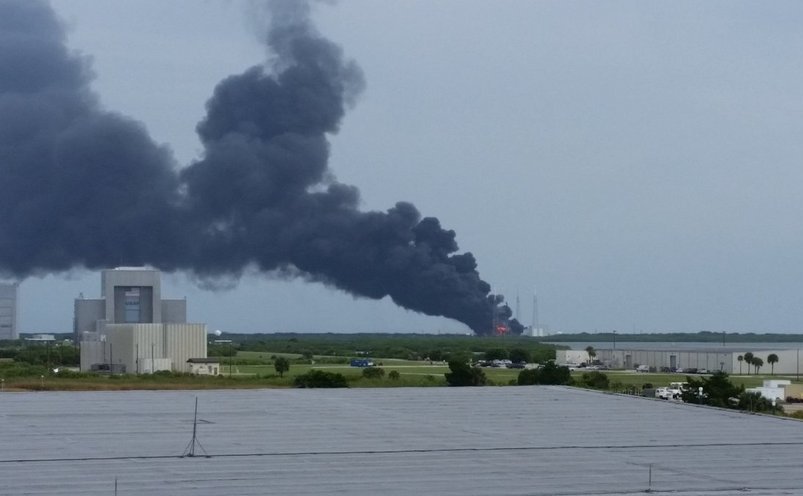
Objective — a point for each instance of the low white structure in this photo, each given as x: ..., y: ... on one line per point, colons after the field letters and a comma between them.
x: 772, y: 389
x: 204, y: 366
x: 571, y: 357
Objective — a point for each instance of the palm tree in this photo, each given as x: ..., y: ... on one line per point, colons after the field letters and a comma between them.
x: 772, y: 359
x: 591, y: 353
x: 748, y: 358
x: 741, y: 359
x: 757, y: 363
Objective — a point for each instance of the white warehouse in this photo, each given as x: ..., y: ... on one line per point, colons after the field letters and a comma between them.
x: 711, y: 359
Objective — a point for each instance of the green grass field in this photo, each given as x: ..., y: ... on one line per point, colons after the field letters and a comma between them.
x: 254, y: 369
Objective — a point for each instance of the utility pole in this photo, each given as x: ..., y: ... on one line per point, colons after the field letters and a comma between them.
x: 535, y: 323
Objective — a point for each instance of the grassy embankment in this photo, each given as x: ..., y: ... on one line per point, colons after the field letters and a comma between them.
x: 252, y: 369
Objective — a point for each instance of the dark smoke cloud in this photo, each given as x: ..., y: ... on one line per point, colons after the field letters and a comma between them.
x: 85, y: 187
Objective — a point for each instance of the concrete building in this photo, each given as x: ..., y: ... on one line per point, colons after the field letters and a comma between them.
x: 204, y: 366
x: 8, y: 310
x: 131, y: 329
x: 711, y: 359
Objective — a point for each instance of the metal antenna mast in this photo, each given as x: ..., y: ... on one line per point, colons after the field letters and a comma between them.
x: 190, y: 449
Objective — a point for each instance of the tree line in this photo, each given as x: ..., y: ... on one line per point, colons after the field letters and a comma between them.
x: 435, y: 347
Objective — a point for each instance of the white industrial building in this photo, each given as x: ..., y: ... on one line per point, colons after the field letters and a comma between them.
x: 131, y: 329
x: 8, y: 310
x: 711, y: 359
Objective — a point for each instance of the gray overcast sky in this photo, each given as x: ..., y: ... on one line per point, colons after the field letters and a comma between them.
x: 638, y: 162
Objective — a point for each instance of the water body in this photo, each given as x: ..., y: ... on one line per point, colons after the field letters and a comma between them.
x: 679, y: 345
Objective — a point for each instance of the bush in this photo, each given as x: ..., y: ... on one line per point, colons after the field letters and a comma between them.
x: 394, y: 375
x: 69, y: 374
x: 436, y: 355
x: 21, y: 370
x: 754, y: 402
x: 519, y: 355
x: 549, y: 374
x: 373, y: 373
x: 320, y: 379
x: 462, y: 374
x: 717, y: 390
x: 496, y: 354
x: 596, y: 380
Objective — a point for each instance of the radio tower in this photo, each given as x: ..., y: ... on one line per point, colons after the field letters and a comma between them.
x: 535, y: 313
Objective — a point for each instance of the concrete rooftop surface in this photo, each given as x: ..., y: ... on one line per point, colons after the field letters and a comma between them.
x: 399, y: 441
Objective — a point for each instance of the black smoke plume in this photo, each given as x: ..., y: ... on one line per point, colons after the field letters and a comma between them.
x: 81, y: 186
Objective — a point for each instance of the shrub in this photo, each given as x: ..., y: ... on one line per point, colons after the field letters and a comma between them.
x: 320, y: 379
x: 21, y: 370
x: 435, y: 355
x: 596, y: 380
x: 550, y: 373
x: 462, y: 374
x: 717, y: 390
x: 520, y: 355
x: 394, y: 375
x: 754, y: 402
x: 373, y: 373
x: 496, y: 354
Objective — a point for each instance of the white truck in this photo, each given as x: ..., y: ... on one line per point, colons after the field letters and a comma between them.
x: 673, y: 392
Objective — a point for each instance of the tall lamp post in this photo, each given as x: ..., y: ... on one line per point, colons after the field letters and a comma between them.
x: 218, y: 333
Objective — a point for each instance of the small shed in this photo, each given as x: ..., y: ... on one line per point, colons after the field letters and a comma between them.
x: 772, y: 389
x: 204, y: 366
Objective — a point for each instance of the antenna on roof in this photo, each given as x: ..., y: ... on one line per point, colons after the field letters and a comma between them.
x: 190, y: 449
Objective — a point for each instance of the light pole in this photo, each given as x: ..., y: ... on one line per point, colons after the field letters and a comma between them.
x: 218, y: 333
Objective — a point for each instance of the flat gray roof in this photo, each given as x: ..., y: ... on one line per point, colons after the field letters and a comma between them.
x: 400, y: 441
